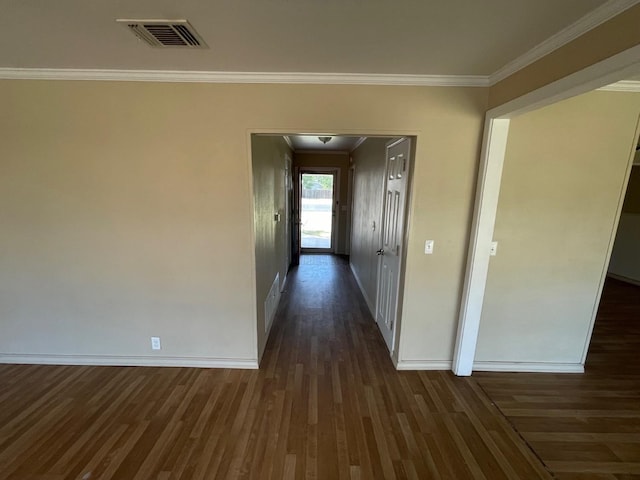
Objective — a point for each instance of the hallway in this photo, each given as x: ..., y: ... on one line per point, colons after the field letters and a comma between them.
x: 352, y: 415
x: 326, y: 403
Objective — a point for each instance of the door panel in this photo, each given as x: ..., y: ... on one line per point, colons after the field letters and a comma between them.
x: 390, y: 253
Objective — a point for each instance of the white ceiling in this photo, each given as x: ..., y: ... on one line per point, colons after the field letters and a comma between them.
x: 421, y: 37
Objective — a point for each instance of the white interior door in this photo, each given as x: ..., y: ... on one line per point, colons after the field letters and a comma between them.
x: 390, y: 253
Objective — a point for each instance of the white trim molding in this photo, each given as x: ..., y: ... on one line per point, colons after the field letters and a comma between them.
x: 360, y: 141
x: 590, y: 21
x: 423, y: 365
x: 129, y: 361
x: 177, y: 76
x: 532, y: 367
x: 629, y: 86
x: 625, y: 64
x: 494, y: 146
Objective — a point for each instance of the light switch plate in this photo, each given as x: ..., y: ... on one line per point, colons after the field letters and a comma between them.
x: 428, y: 247
x: 494, y: 249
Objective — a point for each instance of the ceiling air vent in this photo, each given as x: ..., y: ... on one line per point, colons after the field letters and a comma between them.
x: 165, y: 33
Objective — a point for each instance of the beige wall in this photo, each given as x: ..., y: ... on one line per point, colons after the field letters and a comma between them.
x: 341, y: 162
x: 127, y: 211
x: 612, y: 37
x: 269, y: 156
x: 369, y: 175
x: 440, y: 206
x: 564, y: 173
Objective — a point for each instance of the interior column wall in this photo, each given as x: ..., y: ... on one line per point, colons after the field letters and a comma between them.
x: 564, y: 174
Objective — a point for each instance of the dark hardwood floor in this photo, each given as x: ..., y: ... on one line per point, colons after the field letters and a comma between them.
x: 584, y: 426
x: 326, y: 404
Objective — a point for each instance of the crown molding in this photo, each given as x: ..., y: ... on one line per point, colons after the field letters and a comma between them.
x: 632, y: 86
x: 176, y: 76
x: 321, y: 152
x: 358, y: 143
x: 590, y: 21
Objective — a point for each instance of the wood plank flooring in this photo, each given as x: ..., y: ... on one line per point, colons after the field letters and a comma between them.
x: 584, y: 426
x: 326, y: 404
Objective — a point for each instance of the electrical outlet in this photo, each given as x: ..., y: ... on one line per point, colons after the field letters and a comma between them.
x: 155, y: 343
x: 494, y: 249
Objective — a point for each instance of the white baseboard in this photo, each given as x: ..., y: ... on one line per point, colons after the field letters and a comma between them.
x: 372, y: 308
x: 532, y: 367
x: 123, y: 361
x: 632, y: 281
x: 424, y: 365
x: 539, y: 367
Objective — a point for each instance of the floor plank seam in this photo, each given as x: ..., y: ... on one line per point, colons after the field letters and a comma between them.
x: 517, y: 432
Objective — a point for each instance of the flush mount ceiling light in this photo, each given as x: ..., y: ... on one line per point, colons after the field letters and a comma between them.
x: 165, y: 33
x: 324, y: 139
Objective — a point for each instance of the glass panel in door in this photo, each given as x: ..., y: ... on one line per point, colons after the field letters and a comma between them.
x: 316, y: 210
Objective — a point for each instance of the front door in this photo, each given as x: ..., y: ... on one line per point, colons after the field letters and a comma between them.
x: 392, y: 240
x: 317, y: 210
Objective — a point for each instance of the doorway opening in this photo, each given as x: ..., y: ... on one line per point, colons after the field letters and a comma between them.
x: 615, y: 338
x: 572, y: 200
x: 318, y: 199
x: 349, y: 197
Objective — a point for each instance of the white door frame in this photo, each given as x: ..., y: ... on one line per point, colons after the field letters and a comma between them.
x: 349, y: 211
x: 496, y: 130
x: 288, y: 188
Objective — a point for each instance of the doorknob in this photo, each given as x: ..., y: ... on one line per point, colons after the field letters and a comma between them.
x: 380, y: 252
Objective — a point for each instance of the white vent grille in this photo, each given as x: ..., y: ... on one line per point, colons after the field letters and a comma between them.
x: 165, y: 33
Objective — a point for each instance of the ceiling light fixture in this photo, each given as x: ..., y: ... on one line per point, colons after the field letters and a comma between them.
x: 324, y: 139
